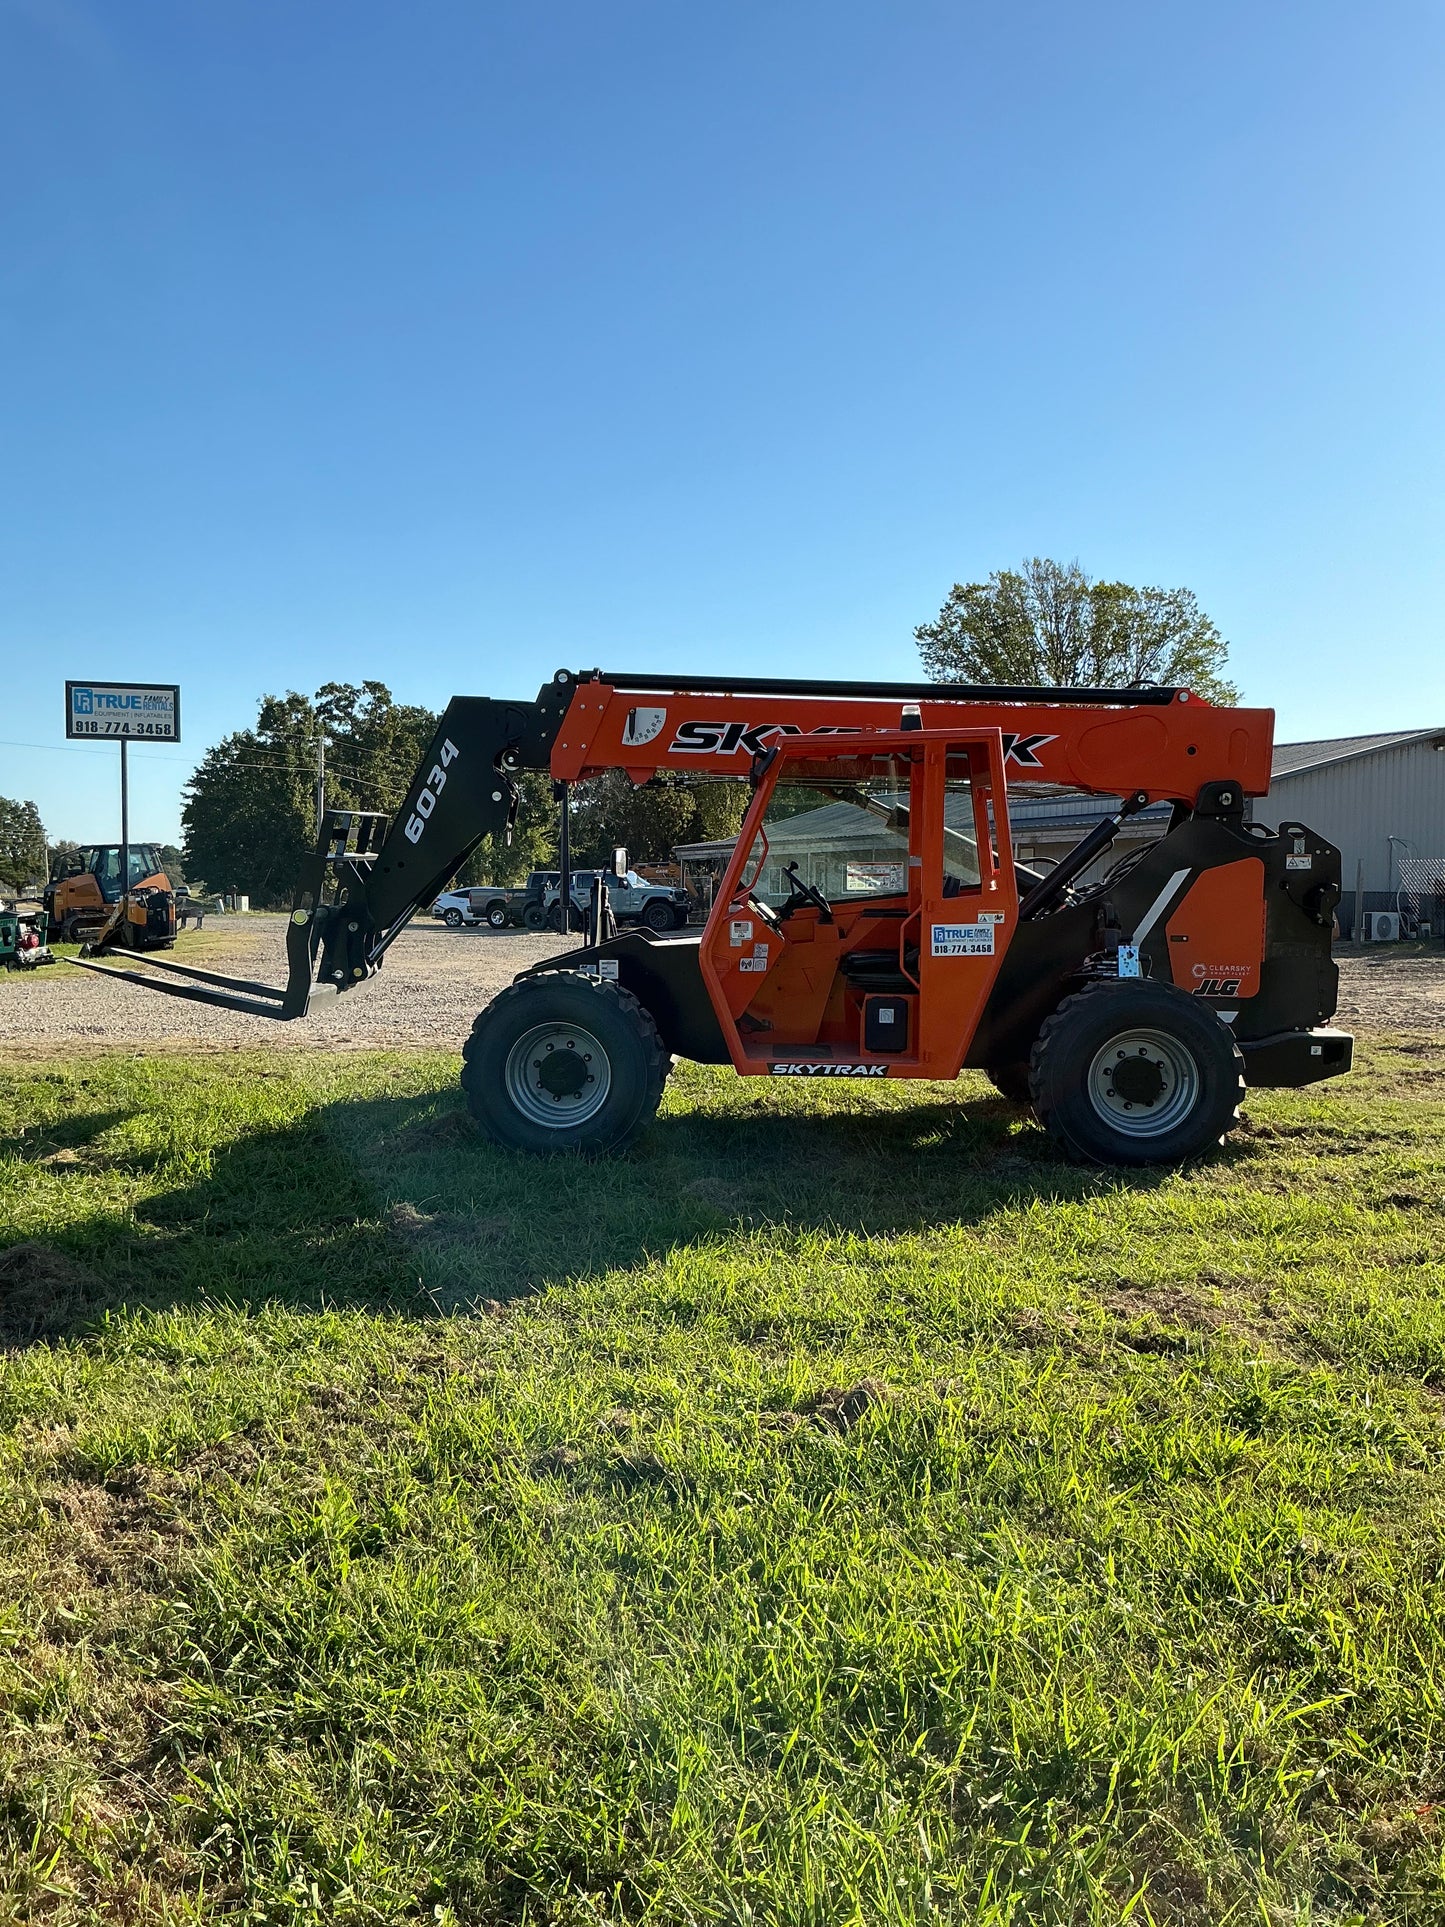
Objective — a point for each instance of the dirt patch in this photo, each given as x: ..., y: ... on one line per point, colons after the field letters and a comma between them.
x: 839, y: 1410
x: 1391, y: 987
x: 43, y: 1294
x: 446, y: 1227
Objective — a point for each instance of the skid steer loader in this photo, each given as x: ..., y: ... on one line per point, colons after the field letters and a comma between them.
x: 1129, y: 1010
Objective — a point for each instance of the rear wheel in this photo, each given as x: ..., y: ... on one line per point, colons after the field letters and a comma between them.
x: 453, y: 919
x: 564, y: 1063
x: 1135, y: 1073
x: 497, y: 916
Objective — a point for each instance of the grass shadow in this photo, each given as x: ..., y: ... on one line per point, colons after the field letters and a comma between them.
x: 393, y: 1202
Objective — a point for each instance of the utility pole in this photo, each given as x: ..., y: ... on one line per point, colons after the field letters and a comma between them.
x: 320, y: 782
x: 125, y: 841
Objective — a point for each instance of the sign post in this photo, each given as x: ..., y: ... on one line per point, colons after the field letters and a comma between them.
x: 119, y: 711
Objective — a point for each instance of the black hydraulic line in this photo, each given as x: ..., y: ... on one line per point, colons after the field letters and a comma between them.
x: 944, y: 692
x: 1046, y: 893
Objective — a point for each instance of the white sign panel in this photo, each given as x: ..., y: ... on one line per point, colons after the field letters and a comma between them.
x: 963, y: 939
x: 148, y: 709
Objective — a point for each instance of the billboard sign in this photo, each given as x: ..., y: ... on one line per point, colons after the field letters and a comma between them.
x: 151, y: 710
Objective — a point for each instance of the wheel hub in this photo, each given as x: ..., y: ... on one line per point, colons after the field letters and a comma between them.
x: 557, y: 1075
x: 1139, y: 1080
x: 562, y: 1073
x: 1144, y: 1082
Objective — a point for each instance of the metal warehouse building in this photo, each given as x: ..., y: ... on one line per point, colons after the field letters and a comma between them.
x: 1379, y: 799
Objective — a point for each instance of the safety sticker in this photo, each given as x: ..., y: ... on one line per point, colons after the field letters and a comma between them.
x: 605, y: 968
x: 1298, y: 862
x: 754, y: 965
x: 964, y: 939
x: 740, y: 931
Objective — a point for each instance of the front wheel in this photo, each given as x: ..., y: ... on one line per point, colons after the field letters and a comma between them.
x: 564, y: 1063
x: 497, y: 917
x: 659, y: 916
x: 1135, y: 1073
x: 534, y: 917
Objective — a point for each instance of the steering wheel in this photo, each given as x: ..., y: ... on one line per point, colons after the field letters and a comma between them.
x: 810, y: 893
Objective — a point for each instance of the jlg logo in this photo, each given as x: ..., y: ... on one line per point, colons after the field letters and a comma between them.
x: 435, y: 784
x: 1218, y: 987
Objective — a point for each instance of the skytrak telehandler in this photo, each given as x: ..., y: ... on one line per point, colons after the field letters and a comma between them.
x: 1128, y: 1011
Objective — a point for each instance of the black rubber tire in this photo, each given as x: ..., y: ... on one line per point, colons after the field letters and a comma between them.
x: 534, y: 917
x: 554, y: 919
x: 1011, y: 1081
x: 1083, y: 1025
x: 658, y: 916
x: 497, y: 916
x: 613, y: 1017
x: 452, y: 919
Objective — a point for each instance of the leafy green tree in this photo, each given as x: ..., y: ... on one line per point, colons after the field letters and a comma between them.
x: 1048, y: 622
x: 373, y: 745
x: 250, y: 812
x: 22, y: 845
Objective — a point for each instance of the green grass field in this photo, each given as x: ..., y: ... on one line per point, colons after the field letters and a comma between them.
x: 840, y: 1512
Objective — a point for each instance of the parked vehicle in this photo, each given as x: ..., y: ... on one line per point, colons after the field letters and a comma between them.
x: 492, y: 904
x: 657, y: 906
x: 86, y: 899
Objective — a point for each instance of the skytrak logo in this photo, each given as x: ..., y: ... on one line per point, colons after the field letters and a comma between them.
x: 829, y: 1070
x: 729, y: 739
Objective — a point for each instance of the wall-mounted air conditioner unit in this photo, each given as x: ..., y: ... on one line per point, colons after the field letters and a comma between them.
x: 1382, y: 926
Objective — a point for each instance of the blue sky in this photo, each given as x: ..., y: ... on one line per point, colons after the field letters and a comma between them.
x: 450, y: 343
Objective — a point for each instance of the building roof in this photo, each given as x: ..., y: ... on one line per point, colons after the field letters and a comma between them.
x: 1292, y: 759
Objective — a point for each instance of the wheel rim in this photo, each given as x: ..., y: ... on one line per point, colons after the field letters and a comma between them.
x: 1144, y: 1082
x: 557, y: 1075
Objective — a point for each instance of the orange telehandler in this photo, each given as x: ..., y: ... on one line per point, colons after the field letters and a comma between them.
x: 901, y: 939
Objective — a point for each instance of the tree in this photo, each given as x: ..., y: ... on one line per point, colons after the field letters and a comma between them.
x: 22, y: 845
x: 250, y: 811
x: 652, y: 820
x: 1048, y: 623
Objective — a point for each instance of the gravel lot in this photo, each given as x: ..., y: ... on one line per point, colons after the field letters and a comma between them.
x: 436, y: 980
x: 429, y: 991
